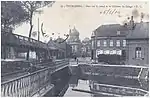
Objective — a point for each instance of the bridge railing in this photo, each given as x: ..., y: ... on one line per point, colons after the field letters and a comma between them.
x: 27, y: 85
x: 30, y: 84
x: 32, y: 41
x: 121, y: 90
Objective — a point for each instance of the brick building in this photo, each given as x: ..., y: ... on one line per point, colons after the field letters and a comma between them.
x: 109, y: 39
x: 131, y: 41
x: 138, y: 44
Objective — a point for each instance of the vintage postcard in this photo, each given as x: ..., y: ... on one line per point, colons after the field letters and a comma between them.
x: 74, y: 48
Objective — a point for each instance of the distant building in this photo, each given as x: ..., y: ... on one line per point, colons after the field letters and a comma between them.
x: 138, y: 44
x: 15, y: 46
x: 74, y: 41
x: 64, y: 45
x: 130, y: 41
x: 59, y: 50
x: 109, y: 39
x: 86, y: 47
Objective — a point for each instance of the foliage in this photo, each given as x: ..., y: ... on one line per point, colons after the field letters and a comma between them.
x: 12, y: 14
x: 16, y: 12
x: 31, y: 8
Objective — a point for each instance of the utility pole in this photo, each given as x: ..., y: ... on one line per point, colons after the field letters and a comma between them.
x: 38, y: 31
x: 38, y: 40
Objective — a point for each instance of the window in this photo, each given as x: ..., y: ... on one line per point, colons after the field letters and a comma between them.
x: 106, y: 52
x: 124, y: 43
x: 119, y: 52
x: 114, y: 52
x: 118, y: 32
x: 75, y: 48
x: 118, y: 43
x: 99, y: 52
x: 111, y: 43
x: 111, y: 51
x: 138, y: 52
x: 92, y: 43
x: 98, y: 43
x: 105, y: 43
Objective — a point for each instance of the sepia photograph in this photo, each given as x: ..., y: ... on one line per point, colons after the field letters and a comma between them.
x: 75, y: 48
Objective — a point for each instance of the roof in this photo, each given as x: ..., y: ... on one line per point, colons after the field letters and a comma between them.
x: 111, y: 30
x: 56, y: 46
x: 141, y: 31
x: 52, y: 45
x: 17, y: 40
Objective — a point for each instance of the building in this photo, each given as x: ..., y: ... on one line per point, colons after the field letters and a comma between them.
x: 109, y: 39
x: 75, y: 42
x: 62, y: 43
x: 15, y: 46
x: 130, y: 41
x: 138, y: 44
x: 86, y: 47
x: 59, y: 50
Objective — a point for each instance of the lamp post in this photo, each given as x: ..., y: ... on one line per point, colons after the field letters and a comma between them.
x: 94, y: 46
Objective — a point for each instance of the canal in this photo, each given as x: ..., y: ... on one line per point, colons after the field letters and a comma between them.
x: 71, y: 82
x: 79, y: 86
x: 97, y: 86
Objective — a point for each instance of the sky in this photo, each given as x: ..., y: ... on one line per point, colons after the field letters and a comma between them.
x: 84, y: 16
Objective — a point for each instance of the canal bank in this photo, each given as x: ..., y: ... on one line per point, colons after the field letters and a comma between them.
x: 72, y: 82
x: 59, y: 80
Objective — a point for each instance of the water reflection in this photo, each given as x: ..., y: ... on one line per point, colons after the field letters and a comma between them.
x: 77, y: 84
x: 99, y: 86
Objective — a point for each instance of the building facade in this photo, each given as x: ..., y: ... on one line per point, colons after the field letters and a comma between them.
x: 109, y: 40
x: 63, y: 44
x: 75, y: 42
x: 138, y: 45
x: 86, y: 47
x: 130, y: 41
x: 59, y: 50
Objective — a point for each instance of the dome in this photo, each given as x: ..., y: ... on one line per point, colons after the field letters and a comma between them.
x: 74, y: 32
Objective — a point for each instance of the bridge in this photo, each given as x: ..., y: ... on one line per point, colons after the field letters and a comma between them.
x: 17, y: 80
x: 48, y: 72
x: 13, y: 44
x: 37, y: 83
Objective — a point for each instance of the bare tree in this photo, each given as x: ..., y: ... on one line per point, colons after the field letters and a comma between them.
x: 31, y: 8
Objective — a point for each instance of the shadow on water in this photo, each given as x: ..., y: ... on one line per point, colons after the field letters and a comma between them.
x: 77, y: 86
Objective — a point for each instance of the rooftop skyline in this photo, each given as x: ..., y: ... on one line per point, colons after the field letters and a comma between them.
x: 59, y: 18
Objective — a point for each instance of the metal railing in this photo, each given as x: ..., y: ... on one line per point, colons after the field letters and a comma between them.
x: 27, y: 85
x: 31, y: 42
x: 121, y: 90
x: 30, y: 84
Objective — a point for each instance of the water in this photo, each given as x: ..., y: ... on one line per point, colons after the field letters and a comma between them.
x: 79, y: 87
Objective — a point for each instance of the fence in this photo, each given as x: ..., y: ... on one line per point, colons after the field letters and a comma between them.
x: 30, y: 84
x: 126, y: 91
x: 31, y: 42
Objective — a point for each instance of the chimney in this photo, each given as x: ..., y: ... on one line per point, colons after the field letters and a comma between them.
x: 50, y: 38
x: 131, y: 24
x: 142, y: 16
